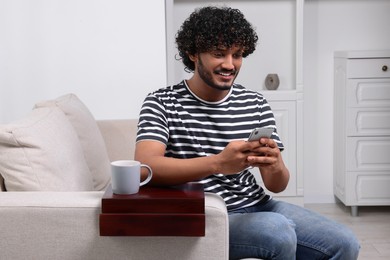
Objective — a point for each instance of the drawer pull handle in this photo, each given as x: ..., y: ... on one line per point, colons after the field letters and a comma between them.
x: 384, y: 68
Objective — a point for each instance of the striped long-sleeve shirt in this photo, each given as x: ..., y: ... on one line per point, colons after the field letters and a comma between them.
x: 191, y: 127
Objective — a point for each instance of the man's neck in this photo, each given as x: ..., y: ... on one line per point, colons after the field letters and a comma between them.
x: 204, y: 91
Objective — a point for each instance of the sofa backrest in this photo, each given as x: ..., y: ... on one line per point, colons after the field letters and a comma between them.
x: 119, y: 137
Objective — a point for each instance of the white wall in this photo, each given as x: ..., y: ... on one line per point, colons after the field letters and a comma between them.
x: 332, y: 25
x: 110, y: 53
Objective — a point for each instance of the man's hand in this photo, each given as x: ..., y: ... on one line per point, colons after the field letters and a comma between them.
x: 234, y: 158
x: 268, y: 158
x: 267, y: 154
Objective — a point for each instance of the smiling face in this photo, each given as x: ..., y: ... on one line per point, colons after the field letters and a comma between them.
x: 215, y: 71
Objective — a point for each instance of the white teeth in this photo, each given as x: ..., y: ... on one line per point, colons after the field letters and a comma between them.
x: 225, y: 74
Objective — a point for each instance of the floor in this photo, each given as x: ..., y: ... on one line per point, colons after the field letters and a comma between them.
x: 371, y: 226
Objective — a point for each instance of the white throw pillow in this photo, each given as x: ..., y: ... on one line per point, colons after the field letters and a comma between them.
x: 90, y: 137
x: 42, y: 152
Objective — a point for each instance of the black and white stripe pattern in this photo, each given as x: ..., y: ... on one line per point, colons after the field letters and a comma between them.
x: 191, y: 127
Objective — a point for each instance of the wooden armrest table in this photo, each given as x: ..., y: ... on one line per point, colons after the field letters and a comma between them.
x: 154, y: 211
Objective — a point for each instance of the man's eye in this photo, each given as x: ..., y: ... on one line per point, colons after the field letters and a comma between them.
x: 238, y: 55
x: 218, y: 54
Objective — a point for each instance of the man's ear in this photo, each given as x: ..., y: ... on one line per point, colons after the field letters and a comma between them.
x: 193, y: 58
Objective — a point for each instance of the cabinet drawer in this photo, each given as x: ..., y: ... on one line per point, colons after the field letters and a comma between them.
x: 368, y: 121
x: 368, y: 154
x: 368, y: 68
x: 368, y: 93
x: 367, y: 188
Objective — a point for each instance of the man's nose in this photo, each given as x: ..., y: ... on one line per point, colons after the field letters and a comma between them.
x: 228, y: 62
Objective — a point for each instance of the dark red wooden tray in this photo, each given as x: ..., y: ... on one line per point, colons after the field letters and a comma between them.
x: 154, y: 211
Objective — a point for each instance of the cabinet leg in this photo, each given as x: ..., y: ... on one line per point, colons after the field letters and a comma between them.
x: 354, y: 211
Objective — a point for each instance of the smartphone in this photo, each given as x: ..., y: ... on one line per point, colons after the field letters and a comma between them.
x: 260, y: 132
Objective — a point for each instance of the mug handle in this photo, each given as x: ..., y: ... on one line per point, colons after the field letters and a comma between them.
x: 150, y: 174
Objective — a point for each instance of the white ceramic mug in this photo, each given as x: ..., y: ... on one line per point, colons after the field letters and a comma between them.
x: 126, y: 176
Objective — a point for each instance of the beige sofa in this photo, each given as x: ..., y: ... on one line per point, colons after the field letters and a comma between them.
x: 53, y: 173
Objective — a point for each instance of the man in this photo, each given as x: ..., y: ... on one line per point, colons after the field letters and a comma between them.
x: 197, y: 130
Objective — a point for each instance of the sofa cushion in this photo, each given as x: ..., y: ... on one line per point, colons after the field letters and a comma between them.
x: 91, y: 139
x: 42, y: 152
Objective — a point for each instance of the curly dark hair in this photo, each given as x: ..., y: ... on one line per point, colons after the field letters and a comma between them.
x: 210, y: 27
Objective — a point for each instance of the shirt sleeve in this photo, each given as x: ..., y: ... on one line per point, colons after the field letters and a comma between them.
x: 153, y: 123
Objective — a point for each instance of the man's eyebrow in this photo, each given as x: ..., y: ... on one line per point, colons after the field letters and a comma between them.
x: 220, y: 48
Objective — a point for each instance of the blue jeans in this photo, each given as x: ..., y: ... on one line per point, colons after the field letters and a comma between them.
x: 279, y: 230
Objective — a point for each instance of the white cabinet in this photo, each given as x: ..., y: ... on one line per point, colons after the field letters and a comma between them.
x: 362, y: 128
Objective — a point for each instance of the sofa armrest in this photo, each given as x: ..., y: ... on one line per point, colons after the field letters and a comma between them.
x: 119, y: 137
x: 65, y: 225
